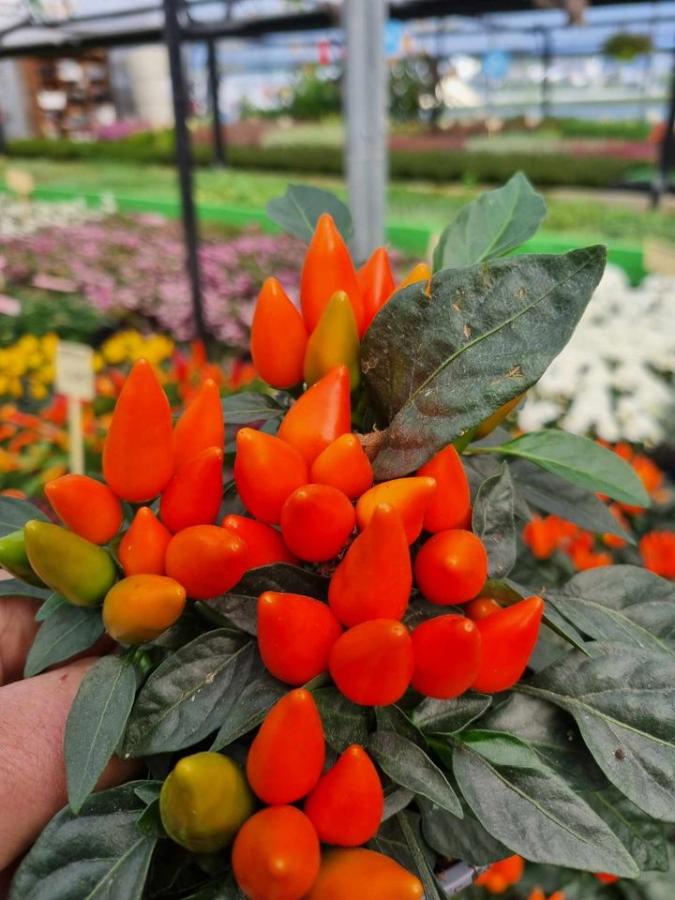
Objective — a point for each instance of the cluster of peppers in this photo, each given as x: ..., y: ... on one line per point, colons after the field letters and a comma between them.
x: 311, y: 498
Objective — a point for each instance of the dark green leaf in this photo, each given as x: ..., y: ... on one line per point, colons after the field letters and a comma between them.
x: 189, y: 695
x: 392, y: 718
x: 494, y: 523
x: 50, y: 605
x: 641, y: 835
x: 344, y: 723
x: 623, y: 700
x: 69, y: 630
x: 536, y: 814
x: 501, y: 749
x: 409, y: 766
x: 96, y: 723
x: 282, y: 577
x: 486, y: 334
x: 449, y: 716
x: 390, y: 841
x: 14, y: 587
x: 252, y: 705
x: 15, y: 513
x: 420, y: 852
x: 250, y: 406
x: 463, y: 838
x: 620, y: 603
x: 579, y: 460
x: 492, y: 225
x: 148, y: 791
x: 552, y: 733
x: 298, y: 211
x: 98, y: 854
x: 232, y: 611
x: 150, y: 820
x: 395, y: 799
x: 551, y: 494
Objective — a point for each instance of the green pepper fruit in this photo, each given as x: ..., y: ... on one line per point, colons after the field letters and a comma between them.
x: 13, y: 558
x: 81, y: 572
x: 204, y: 802
x: 334, y: 342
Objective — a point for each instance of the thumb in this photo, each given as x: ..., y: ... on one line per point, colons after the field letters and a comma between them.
x: 17, y: 630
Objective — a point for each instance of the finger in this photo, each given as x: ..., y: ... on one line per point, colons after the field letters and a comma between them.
x: 32, y: 769
x: 17, y: 630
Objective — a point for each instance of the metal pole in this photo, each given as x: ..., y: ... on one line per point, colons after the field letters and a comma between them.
x: 365, y: 97
x: 546, y: 58
x: 214, y: 95
x: 660, y: 182
x: 172, y: 31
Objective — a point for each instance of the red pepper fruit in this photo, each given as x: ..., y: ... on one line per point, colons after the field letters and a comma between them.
x: 276, y: 318
x: 344, y: 465
x: 410, y: 497
x: 319, y: 416
x: 295, y: 636
x: 266, y: 471
x: 447, y: 653
x: 481, y: 608
x: 377, y: 283
x: 316, y: 522
x: 372, y: 663
x: 206, y: 560
x: 286, y: 757
x: 264, y: 544
x: 85, y: 506
x: 194, y: 494
x: 276, y: 855
x: 451, y: 504
x: 451, y: 567
x: 606, y: 877
x: 327, y: 268
x: 346, y: 805
x: 508, y: 639
x: 201, y: 425
x: 138, y: 450
x: 374, y: 579
x: 143, y: 547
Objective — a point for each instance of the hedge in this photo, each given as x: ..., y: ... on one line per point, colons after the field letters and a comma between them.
x: 549, y: 169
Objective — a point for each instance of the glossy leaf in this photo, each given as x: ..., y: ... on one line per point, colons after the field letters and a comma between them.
x: 96, y: 723
x: 579, y: 460
x: 99, y: 853
x: 14, y: 514
x: 189, y: 695
x: 492, y: 225
x: 258, y: 696
x: 494, y: 522
x: 484, y: 336
x: 232, y: 611
x: 449, y: 716
x: 69, y: 630
x: 298, y: 210
x: 623, y: 700
x: 344, y: 723
x: 282, y: 577
x: 250, y: 406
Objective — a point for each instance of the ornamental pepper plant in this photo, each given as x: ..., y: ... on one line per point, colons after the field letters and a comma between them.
x: 330, y: 683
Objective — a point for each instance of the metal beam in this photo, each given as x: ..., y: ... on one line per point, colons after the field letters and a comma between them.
x: 214, y: 102
x: 365, y: 97
x: 667, y: 154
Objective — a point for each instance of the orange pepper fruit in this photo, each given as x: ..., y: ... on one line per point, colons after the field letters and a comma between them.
x: 201, y: 425
x: 264, y: 544
x: 142, y: 549
x: 360, y: 874
x: 487, y: 426
x: 266, y: 471
x: 451, y: 567
x: 410, y: 497
x: 502, y: 874
x: 419, y: 272
x: 327, y: 268
x: 377, y: 283
x: 295, y: 636
x: 374, y: 578
x: 508, y: 638
x: 206, y: 560
x: 346, y: 805
x: 194, y: 494
x: 276, y: 855
x: 316, y: 522
x: 286, y: 757
x: 139, y: 608
x: 344, y: 465
x: 319, y: 416
x: 451, y: 503
x: 275, y: 318
x: 138, y: 449
x: 447, y: 652
x: 85, y: 506
x: 372, y: 663
x: 481, y: 608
